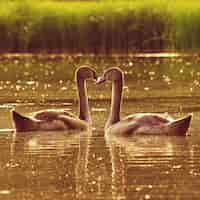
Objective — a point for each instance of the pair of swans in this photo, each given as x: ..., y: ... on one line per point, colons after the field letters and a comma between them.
x: 145, y: 123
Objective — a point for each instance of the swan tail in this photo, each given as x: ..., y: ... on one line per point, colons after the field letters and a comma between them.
x: 23, y: 123
x: 180, y: 126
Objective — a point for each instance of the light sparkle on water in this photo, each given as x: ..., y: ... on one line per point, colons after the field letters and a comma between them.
x: 5, y: 192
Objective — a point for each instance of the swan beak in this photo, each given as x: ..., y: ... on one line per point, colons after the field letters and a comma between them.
x: 100, y: 80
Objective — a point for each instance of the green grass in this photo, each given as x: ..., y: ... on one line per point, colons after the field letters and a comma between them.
x: 99, y: 27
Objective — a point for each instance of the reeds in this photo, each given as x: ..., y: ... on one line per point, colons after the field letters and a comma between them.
x: 101, y: 27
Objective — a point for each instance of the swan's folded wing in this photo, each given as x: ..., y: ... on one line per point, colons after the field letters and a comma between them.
x: 149, y: 118
x: 123, y: 128
x: 51, y: 114
x: 73, y: 123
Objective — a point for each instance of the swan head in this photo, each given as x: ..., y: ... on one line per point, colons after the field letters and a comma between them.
x: 111, y: 74
x: 86, y: 72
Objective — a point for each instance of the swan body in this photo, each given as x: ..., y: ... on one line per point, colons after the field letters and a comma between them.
x: 48, y: 120
x: 139, y: 123
x: 54, y: 120
x: 150, y: 123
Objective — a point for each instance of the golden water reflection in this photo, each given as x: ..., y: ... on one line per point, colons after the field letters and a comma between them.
x: 155, y: 167
x: 87, y: 165
x: 91, y: 166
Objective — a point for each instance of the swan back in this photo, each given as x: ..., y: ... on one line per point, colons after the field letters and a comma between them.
x: 150, y: 124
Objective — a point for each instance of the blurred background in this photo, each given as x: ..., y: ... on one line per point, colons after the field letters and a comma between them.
x: 99, y: 27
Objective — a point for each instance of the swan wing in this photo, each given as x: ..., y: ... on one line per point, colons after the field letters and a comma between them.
x: 73, y: 123
x: 124, y: 128
x: 51, y: 114
x: 60, y: 121
x: 149, y: 118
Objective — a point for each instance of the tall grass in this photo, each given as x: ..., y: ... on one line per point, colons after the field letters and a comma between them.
x: 98, y: 27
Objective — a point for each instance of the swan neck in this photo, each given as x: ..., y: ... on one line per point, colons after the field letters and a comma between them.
x: 84, y: 113
x: 114, y: 116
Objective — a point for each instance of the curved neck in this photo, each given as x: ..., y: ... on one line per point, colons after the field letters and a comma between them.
x: 114, y: 115
x: 84, y: 112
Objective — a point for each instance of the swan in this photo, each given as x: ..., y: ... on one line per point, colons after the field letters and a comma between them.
x: 139, y: 123
x: 53, y: 120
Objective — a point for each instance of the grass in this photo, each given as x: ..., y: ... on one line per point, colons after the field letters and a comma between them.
x: 101, y: 27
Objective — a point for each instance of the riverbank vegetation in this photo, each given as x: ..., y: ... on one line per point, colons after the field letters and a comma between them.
x: 99, y: 27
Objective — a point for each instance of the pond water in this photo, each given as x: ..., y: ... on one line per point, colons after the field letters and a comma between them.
x: 87, y: 165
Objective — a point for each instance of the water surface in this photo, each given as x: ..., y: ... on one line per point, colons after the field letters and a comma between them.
x: 87, y: 165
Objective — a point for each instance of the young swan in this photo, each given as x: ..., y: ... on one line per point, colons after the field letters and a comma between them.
x: 139, y: 123
x: 53, y: 120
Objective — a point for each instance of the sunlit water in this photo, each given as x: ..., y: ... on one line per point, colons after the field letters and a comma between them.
x: 87, y: 165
